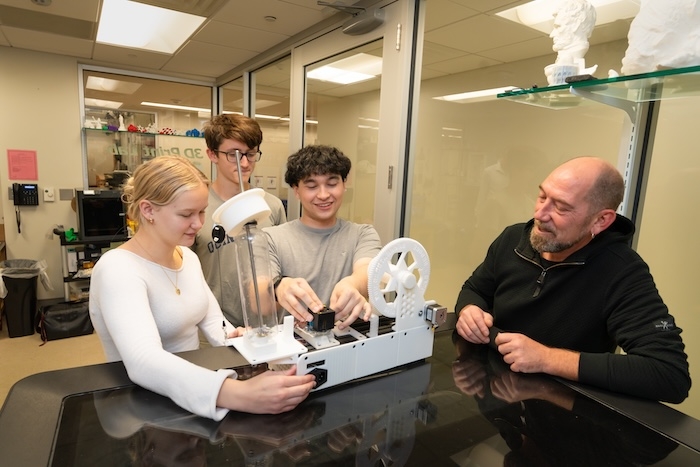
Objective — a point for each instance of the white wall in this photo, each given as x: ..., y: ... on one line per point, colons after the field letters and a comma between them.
x: 40, y: 112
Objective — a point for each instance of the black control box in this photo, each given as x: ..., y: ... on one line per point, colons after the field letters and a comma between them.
x: 324, y: 320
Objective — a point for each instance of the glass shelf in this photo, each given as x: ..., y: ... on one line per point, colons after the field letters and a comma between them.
x: 622, y: 91
x: 109, y: 132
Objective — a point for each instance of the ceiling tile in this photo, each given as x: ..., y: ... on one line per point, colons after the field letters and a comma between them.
x: 489, y: 5
x: 45, y: 42
x: 427, y: 73
x: 243, y: 37
x: 290, y: 18
x: 463, y: 63
x: 86, y: 10
x: 433, y: 53
x: 275, y: 74
x: 610, y: 32
x: 206, y: 59
x: 129, y: 57
x: 40, y: 21
x: 521, y: 50
x: 443, y: 12
x: 481, y: 33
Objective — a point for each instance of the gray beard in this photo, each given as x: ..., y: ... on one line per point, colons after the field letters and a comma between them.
x: 542, y: 245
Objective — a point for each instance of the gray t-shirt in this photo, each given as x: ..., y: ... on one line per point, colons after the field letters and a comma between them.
x: 219, y: 260
x: 321, y: 256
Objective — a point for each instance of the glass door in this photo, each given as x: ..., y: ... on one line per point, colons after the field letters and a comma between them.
x: 352, y: 91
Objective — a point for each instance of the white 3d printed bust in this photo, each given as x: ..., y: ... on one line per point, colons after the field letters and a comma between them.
x: 664, y: 34
x: 574, y: 21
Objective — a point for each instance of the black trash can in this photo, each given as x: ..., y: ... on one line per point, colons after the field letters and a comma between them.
x: 20, y: 278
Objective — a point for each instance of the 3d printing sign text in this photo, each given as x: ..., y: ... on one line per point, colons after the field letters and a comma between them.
x: 149, y: 152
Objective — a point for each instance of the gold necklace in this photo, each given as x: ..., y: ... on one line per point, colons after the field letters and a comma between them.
x: 177, y: 289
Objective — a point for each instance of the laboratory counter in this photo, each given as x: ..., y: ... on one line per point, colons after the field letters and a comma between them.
x: 462, y: 406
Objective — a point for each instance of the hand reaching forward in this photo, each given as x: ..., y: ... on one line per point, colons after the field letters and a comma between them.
x: 348, y: 303
x: 271, y: 392
x: 296, y: 296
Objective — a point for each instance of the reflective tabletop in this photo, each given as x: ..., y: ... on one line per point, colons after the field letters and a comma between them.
x: 462, y: 406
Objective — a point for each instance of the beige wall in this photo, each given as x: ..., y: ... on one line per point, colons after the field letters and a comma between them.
x: 40, y: 111
x: 670, y: 224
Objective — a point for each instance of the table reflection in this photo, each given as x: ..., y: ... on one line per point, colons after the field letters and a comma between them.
x: 462, y: 407
x: 371, y: 422
x: 545, y: 423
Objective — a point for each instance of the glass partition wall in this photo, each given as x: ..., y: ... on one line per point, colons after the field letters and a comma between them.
x: 269, y: 104
x: 668, y: 224
x: 477, y: 165
x: 130, y: 119
x: 346, y: 115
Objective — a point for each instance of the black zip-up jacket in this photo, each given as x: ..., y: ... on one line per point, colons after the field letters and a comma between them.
x: 601, y: 297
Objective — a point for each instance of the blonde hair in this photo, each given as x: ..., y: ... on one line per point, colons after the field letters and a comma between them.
x: 159, y: 181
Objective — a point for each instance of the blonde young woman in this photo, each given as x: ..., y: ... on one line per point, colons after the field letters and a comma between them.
x: 149, y: 297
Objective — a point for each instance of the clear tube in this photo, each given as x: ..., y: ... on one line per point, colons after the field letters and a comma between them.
x: 260, y: 313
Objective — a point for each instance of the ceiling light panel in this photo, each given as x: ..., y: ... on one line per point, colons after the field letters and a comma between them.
x: 90, y: 102
x: 131, y: 24
x: 353, y: 69
x: 98, y: 83
x: 475, y: 96
x: 175, y: 107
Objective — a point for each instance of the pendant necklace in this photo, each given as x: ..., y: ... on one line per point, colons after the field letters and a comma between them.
x: 177, y: 289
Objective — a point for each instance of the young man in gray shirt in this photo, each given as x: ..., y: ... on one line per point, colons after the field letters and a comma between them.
x: 320, y: 260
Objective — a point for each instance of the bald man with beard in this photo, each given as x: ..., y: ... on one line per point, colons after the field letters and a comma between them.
x: 560, y: 293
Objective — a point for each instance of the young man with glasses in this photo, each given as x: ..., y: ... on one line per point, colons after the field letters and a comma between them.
x: 229, y: 137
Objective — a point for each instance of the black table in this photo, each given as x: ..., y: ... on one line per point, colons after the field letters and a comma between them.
x: 462, y: 406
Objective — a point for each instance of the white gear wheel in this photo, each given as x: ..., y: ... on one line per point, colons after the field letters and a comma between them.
x: 408, y: 281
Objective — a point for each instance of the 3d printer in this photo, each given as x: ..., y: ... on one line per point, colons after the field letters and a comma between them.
x: 400, y: 331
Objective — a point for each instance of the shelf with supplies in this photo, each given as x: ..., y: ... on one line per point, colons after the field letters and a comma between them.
x: 623, y: 92
x: 111, y: 156
x: 78, y: 259
x: 139, y: 133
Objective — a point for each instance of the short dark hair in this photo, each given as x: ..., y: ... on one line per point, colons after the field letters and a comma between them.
x: 607, y: 191
x: 316, y: 160
x: 232, y: 126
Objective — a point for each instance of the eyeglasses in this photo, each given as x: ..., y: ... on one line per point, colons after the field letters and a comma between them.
x: 252, y: 156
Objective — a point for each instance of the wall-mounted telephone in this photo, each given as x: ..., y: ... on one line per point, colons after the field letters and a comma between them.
x: 25, y: 194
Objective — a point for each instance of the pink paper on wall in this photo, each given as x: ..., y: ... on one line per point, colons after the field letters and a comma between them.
x: 21, y: 164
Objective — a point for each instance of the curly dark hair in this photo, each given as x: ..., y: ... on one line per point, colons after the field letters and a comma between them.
x: 316, y: 160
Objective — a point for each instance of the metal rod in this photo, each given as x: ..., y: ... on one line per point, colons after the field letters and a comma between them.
x: 238, y: 167
x: 255, y: 275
